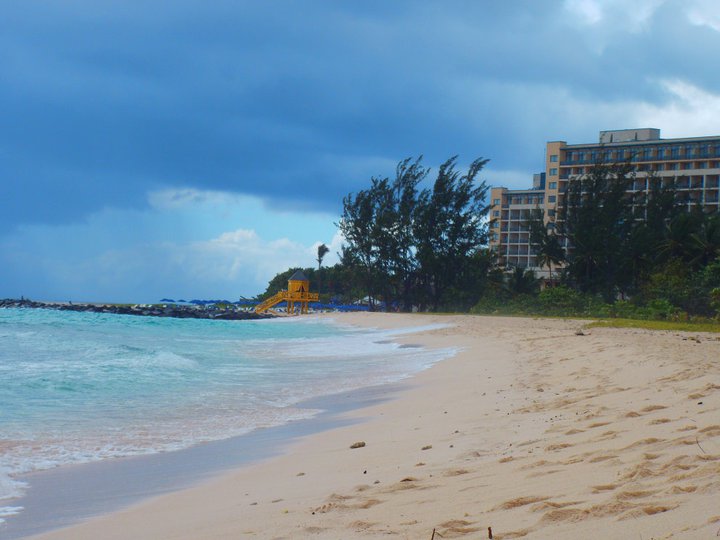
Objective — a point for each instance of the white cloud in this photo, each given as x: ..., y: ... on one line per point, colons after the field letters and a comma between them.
x: 190, y: 243
x: 245, y: 256
x: 634, y: 16
x: 705, y: 13
x: 614, y: 13
x: 589, y: 11
x: 692, y: 112
x: 238, y: 237
x: 510, y: 178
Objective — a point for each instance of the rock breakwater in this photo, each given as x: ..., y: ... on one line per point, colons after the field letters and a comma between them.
x: 209, y: 311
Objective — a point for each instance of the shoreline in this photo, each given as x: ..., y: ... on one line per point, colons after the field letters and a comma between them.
x: 116, y: 483
x: 530, y: 429
x: 64, y: 496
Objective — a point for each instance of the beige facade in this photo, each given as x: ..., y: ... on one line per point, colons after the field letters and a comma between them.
x: 694, y: 163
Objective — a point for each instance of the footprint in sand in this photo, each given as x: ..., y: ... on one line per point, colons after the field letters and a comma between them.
x: 360, y: 526
x: 642, y: 442
x: 678, y: 490
x: 652, y: 408
x: 711, y: 431
x: 559, y: 446
x: 456, y: 472
x: 547, y: 505
x: 604, y: 487
x: 520, y: 501
x: 649, y: 510
x: 634, y: 494
x: 598, y: 459
x: 456, y: 527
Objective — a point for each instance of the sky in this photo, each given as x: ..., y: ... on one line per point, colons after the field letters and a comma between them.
x: 194, y: 149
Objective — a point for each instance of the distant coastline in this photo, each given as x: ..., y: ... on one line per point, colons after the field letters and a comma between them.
x: 207, y: 311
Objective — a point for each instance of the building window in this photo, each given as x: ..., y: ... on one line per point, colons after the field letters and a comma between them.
x: 551, y: 198
x: 551, y: 213
x: 552, y: 185
x: 496, y: 213
x: 553, y: 172
x: 553, y: 158
x: 496, y: 202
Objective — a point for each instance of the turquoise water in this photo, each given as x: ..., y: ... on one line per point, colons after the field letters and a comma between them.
x: 79, y: 387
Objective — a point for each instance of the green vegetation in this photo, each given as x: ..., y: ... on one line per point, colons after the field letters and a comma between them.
x: 419, y: 247
x: 338, y: 284
x: 657, y: 325
x: 618, y: 253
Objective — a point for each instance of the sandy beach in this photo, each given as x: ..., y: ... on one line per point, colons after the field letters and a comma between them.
x: 534, y: 429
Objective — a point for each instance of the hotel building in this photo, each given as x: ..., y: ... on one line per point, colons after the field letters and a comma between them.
x: 694, y: 163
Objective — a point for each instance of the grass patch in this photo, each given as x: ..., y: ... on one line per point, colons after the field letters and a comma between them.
x: 681, y: 326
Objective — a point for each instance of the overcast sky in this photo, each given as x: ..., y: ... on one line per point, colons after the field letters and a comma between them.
x: 194, y: 149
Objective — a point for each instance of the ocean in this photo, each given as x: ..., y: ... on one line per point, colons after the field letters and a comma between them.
x: 87, y: 387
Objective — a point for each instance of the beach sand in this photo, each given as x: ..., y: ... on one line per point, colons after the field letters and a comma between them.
x: 531, y: 429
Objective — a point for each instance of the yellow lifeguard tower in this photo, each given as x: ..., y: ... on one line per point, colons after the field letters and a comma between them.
x: 298, y: 292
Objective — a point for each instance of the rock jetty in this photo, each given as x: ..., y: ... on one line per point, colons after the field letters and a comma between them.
x: 209, y: 311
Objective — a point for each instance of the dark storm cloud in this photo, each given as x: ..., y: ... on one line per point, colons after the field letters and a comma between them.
x: 300, y: 102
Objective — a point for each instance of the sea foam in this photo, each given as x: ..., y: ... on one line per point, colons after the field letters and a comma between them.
x: 83, y: 387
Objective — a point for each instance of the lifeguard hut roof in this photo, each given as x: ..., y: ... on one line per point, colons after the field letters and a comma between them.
x: 298, y: 276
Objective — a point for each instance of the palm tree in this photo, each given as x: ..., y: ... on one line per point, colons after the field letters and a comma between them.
x: 549, y: 252
x: 547, y: 245
x: 322, y: 250
x: 678, y: 241
x: 705, y: 243
x: 521, y: 281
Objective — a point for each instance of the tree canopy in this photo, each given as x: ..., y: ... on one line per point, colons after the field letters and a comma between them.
x: 416, y: 246
x: 419, y: 241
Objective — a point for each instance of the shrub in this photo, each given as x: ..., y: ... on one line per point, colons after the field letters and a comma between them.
x: 561, y: 301
x: 662, y: 309
x: 715, y: 300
